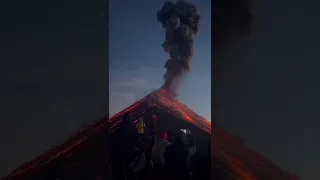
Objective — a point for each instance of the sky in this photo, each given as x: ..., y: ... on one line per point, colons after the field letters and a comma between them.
x: 137, y: 58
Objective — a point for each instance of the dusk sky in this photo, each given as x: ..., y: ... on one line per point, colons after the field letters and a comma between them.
x: 137, y: 58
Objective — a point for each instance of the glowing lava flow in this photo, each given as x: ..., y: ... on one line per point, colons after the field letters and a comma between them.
x: 244, y: 162
x: 176, y: 108
x: 163, y: 99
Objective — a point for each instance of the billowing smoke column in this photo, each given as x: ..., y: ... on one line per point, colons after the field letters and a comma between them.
x: 181, y: 22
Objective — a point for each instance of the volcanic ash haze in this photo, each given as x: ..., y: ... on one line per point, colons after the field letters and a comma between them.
x: 181, y: 22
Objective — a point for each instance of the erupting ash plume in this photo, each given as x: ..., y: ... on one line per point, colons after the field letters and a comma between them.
x: 181, y: 22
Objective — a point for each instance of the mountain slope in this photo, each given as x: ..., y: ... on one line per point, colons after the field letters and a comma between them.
x: 244, y: 163
x: 161, y: 99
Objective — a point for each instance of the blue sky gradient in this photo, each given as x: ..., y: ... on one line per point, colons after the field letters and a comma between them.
x: 137, y: 58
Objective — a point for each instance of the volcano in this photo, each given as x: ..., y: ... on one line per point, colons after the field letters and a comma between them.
x: 85, y: 155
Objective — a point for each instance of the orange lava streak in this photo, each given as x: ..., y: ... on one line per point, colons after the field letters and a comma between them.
x: 175, y: 107
x: 239, y: 168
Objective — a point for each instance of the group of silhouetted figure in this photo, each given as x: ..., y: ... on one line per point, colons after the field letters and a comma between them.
x: 135, y: 151
x: 162, y: 155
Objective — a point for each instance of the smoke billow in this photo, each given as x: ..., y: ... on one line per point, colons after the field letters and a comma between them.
x: 181, y: 22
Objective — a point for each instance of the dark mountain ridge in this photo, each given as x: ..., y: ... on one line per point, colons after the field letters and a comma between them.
x: 243, y: 162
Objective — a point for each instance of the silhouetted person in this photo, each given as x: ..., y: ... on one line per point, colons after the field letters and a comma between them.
x: 126, y: 124
x: 140, y: 129
x: 119, y: 145
x: 170, y: 136
x: 177, y: 157
x: 153, y: 128
x: 158, y: 150
x: 201, y: 165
